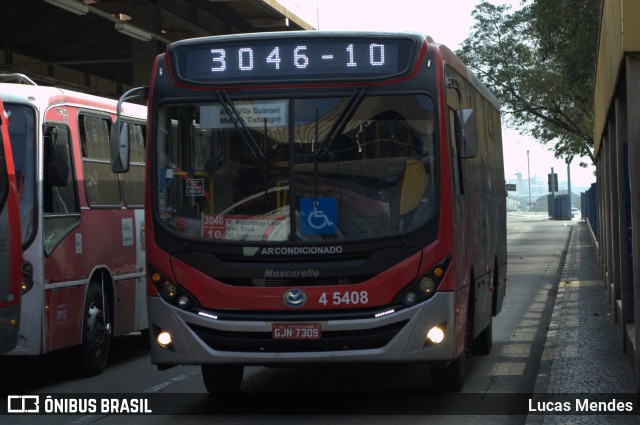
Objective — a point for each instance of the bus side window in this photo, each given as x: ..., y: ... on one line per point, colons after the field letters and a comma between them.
x: 101, y: 185
x: 61, y: 208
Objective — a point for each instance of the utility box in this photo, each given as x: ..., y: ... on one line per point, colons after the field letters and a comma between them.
x: 559, y: 208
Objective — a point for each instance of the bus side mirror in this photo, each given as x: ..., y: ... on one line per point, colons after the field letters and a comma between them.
x: 119, y: 134
x: 57, y: 158
x: 466, y: 133
x: 61, y: 168
x: 119, y: 147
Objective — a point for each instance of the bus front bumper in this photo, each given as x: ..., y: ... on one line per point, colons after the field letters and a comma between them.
x: 390, y: 338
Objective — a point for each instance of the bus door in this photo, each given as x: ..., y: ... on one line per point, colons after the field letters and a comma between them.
x: 10, y: 243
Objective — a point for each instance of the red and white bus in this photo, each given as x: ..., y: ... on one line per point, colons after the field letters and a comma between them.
x: 10, y: 243
x: 81, y: 224
x: 320, y: 197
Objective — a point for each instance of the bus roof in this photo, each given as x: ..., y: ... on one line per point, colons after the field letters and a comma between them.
x: 450, y: 58
x: 45, y: 96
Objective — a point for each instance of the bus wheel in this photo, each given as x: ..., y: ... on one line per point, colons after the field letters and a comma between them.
x: 222, y: 378
x: 449, y: 377
x: 96, y: 333
x: 483, y: 342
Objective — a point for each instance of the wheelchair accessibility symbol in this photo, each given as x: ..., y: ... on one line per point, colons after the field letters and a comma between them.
x: 319, y: 216
x: 318, y: 219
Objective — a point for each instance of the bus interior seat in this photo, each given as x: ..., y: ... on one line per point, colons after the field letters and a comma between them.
x: 414, y: 184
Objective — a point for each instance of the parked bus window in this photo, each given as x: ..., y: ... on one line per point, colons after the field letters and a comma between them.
x: 101, y: 185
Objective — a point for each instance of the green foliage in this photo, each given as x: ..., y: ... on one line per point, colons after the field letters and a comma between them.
x: 540, y: 59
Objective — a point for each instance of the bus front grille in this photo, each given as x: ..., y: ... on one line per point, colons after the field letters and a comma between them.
x: 262, y: 342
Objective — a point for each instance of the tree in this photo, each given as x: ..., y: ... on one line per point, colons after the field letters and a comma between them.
x: 540, y: 60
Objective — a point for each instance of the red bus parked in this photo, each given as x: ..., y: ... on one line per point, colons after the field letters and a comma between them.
x: 10, y: 243
x: 81, y: 224
x: 320, y: 197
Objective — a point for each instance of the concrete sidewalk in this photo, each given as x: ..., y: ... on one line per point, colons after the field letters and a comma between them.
x: 583, y: 352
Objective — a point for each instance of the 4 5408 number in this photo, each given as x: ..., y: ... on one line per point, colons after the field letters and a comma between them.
x: 344, y: 298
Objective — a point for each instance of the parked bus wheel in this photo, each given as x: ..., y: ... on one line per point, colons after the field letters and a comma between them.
x: 96, y: 332
x: 222, y: 378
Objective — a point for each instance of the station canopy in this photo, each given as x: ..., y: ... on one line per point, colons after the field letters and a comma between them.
x: 105, y: 47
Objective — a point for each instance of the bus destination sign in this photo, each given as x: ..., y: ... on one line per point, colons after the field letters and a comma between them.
x: 307, y: 58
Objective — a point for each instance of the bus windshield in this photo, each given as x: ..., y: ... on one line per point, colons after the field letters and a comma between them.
x: 296, y: 169
x: 22, y: 132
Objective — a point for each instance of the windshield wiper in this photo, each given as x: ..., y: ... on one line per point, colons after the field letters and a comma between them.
x: 239, y: 124
x: 343, y: 119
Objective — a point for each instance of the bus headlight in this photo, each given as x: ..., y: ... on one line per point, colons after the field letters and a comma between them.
x: 409, y: 298
x: 170, y: 291
x: 425, y: 286
x: 27, y: 277
x: 184, y: 301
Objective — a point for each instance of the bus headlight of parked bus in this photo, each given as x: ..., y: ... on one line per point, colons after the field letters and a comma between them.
x: 27, y: 277
x: 425, y: 286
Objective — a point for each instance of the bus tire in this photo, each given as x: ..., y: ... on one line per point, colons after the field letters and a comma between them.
x: 96, y: 332
x: 483, y: 342
x: 449, y: 378
x: 222, y: 378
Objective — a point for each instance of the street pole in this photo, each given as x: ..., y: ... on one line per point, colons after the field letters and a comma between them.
x: 529, y: 179
x: 553, y: 195
x: 569, y: 188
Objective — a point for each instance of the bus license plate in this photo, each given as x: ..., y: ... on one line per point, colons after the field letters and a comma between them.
x: 295, y: 331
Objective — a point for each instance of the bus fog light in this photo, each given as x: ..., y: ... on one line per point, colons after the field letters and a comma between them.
x: 164, y: 339
x: 435, y: 335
